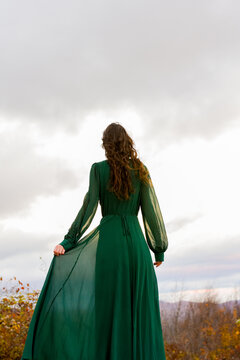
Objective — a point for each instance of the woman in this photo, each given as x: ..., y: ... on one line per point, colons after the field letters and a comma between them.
x: 100, y: 299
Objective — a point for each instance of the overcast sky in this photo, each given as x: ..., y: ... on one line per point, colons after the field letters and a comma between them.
x: 169, y: 73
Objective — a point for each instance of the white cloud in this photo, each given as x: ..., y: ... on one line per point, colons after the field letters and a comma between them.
x: 176, y: 64
x: 169, y: 73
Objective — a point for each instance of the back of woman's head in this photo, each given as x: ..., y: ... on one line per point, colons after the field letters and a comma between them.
x: 122, y: 157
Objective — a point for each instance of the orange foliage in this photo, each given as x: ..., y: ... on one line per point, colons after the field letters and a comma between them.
x: 16, y: 309
x: 203, y: 331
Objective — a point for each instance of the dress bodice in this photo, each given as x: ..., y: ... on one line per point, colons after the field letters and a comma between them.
x: 144, y: 197
x: 109, y: 202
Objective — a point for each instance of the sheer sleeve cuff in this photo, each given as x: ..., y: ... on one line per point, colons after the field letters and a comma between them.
x: 66, y: 244
x: 159, y: 256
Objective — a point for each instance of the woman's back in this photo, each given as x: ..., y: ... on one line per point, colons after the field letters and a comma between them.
x: 109, y: 202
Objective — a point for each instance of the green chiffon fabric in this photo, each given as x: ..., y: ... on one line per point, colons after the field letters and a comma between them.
x: 100, y: 299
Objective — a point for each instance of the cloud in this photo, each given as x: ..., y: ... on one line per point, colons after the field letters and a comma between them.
x: 19, y: 243
x: 213, y: 252
x: 27, y: 175
x: 214, y: 261
x: 170, y: 72
x: 174, y: 63
x: 181, y: 222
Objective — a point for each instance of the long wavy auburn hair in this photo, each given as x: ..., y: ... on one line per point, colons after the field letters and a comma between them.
x: 121, y: 154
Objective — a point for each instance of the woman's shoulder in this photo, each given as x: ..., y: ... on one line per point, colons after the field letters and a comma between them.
x: 104, y: 163
x: 101, y: 162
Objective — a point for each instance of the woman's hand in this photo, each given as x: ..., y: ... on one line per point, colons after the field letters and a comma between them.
x: 59, y: 250
x: 157, y: 263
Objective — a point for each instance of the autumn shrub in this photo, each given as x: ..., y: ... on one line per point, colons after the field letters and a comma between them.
x: 205, y: 330
x: 16, y: 308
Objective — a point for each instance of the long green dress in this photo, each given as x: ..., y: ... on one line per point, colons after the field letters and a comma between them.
x: 100, y: 299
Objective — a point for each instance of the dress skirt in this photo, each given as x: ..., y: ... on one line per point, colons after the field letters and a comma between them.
x: 100, y: 299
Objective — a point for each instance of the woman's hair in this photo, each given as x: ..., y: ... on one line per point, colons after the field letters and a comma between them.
x: 119, y: 149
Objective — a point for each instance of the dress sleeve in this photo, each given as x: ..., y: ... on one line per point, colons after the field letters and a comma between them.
x: 86, y: 212
x: 155, y: 230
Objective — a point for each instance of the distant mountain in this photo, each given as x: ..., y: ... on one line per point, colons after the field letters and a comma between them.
x: 169, y: 307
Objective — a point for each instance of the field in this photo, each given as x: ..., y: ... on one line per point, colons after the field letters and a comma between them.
x: 192, y: 330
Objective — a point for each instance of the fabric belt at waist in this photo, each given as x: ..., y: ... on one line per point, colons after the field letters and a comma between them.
x: 123, y: 217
